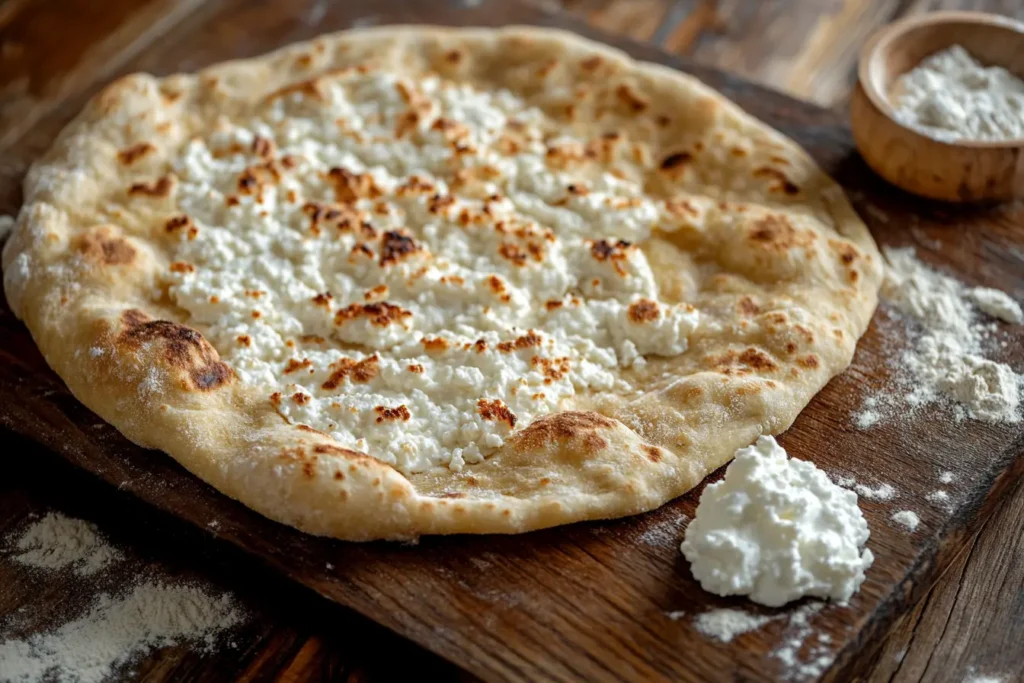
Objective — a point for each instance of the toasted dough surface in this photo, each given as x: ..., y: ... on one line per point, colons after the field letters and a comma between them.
x: 752, y: 279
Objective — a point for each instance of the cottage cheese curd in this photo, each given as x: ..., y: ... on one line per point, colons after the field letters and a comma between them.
x: 398, y: 265
x: 777, y: 529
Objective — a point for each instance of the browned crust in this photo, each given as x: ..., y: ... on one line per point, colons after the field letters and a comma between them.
x: 236, y: 439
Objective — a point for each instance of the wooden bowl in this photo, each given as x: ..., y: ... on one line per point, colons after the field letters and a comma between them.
x: 957, y: 171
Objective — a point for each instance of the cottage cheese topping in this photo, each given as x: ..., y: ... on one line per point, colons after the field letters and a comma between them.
x: 951, y: 96
x: 777, y: 529
x: 408, y: 268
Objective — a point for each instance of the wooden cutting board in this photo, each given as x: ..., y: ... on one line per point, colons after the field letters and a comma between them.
x: 590, y: 601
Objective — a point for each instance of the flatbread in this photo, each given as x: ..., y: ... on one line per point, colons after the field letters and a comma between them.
x: 427, y: 158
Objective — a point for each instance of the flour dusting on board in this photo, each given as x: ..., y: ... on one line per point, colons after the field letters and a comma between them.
x: 666, y: 532
x: 726, y: 624
x: 801, y: 637
x: 946, y: 361
x: 115, y: 628
x: 56, y: 541
x: 907, y: 519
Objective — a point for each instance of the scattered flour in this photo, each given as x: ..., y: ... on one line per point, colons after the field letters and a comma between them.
x: 907, y: 519
x: 997, y: 304
x: 665, y: 532
x: 676, y: 615
x: 114, y: 630
x: 817, y: 658
x: 867, y: 418
x: 937, y: 497
x: 56, y: 541
x: 945, y: 361
x: 880, y: 492
x: 726, y: 624
x: 951, y: 96
x: 946, y: 477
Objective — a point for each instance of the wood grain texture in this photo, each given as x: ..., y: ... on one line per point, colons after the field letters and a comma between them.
x: 50, y: 49
x: 290, y: 634
x: 624, y: 574
x: 806, y: 49
x: 955, y: 632
x: 637, y: 19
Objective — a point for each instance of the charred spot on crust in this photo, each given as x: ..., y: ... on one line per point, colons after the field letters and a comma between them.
x: 211, y: 376
x: 184, y: 348
x: 750, y: 359
x: 526, y: 341
x: 161, y: 187
x: 630, y: 98
x: 652, y: 452
x: 513, y: 253
x: 748, y: 307
x: 560, y: 427
x: 263, y: 147
x: 781, y: 182
x: 99, y: 245
x: 396, y: 246
x: 309, y: 87
x: 294, y: 365
x: 399, y: 413
x: 643, y: 311
x: 176, y: 223
x: 129, y: 155
x: 675, y: 161
x: 349, y: 186
x: 615, y: 252
x: 380, y: 313
x: 434, y: 344
x: 809, y: 362
x: 777, y: 232
x: 602, y: 250
x: 758, y: 360
x: 496, y: 410
x: 359, y: 372
x: 552, y: 368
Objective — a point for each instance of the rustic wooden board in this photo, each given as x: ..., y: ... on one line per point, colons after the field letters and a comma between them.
x: 587, y: 601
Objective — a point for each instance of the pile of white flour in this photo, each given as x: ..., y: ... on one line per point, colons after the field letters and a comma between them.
x: 951, y: 96
x: 115, y: 628
x: 56, y: 541
x: 946, y: 361
x: 725, y: 624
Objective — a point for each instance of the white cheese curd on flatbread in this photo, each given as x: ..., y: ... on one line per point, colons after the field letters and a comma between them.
x: 410, y: 280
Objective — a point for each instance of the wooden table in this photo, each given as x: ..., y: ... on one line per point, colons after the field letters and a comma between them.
x: 52, y: 51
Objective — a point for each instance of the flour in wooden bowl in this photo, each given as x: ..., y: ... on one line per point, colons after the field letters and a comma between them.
x: 951, y: 96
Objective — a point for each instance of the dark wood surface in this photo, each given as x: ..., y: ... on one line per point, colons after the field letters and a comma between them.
x: 588, y: 601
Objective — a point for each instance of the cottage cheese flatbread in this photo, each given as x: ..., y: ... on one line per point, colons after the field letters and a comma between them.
x: 418, y: 281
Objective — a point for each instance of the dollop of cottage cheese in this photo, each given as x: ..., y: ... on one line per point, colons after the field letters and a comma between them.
x: 405, y: 266
x: 777, y: 529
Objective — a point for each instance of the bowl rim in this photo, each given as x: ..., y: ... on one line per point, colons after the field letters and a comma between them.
x: 885, y: 36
